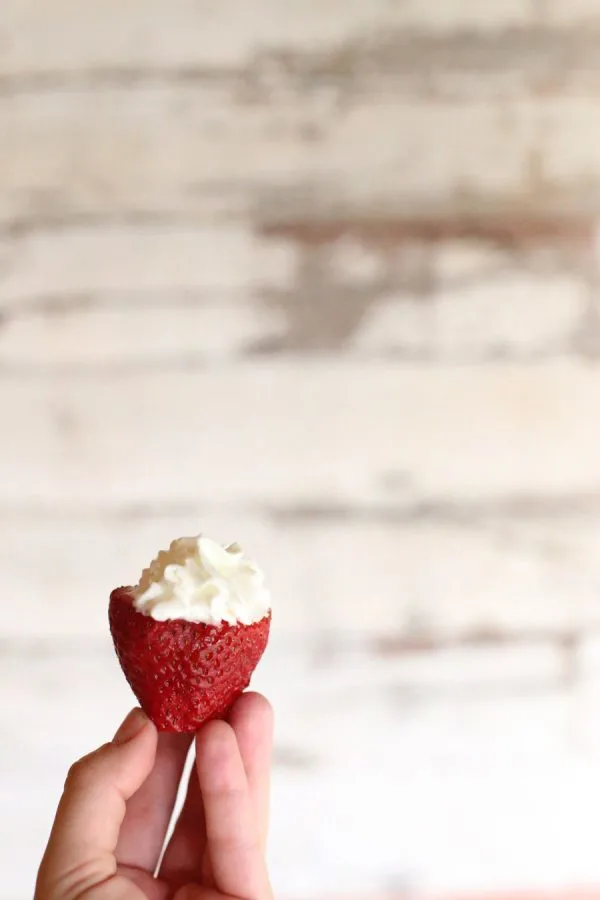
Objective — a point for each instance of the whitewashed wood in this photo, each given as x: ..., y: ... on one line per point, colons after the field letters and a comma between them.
x: 158, y: 295
x: 177, y: 150
x: 213, y: 330
x: 468, y: 259
x: 384, y: 435
x: 563, y: 156
x: 59, y: 37
x: 579, y: 12
x: 512, y: 313
x: 586, y: 672
x: 469, y: 15
x: 140, y: 265
x: 414, y: 580
x: 137, y: 263
x: 409, y: 764
x: 81, y: 318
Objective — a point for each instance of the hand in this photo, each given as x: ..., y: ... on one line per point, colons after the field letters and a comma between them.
x: 110, y: 826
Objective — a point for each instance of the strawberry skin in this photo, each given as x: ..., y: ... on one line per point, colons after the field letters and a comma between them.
x: 184, y: 673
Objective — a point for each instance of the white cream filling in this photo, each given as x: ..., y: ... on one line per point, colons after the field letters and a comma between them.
x: 198, y: 580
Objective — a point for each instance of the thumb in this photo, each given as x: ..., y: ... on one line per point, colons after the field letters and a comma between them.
x: 80, y: 852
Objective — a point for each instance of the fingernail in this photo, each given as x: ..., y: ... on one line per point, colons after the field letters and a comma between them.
x: 133, y: 723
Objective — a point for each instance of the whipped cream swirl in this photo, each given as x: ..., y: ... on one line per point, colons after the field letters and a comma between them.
x: 199, y: 580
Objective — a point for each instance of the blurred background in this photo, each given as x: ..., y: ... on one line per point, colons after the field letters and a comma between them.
x: 321, y: 276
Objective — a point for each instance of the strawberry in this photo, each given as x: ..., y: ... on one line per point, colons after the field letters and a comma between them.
x: 184, y: 673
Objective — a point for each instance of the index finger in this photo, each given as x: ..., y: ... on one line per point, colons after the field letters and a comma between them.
x: 252, y: 721
x: 232, y: 828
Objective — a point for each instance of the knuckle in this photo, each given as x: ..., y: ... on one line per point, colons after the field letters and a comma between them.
x: 76, y: 773
x: 78, y: 882
x: 84, y: 771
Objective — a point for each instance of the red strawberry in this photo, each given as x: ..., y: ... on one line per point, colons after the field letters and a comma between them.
x: 184, y: 673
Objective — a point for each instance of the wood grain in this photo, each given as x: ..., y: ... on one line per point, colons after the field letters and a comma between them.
x: 92, y: 298
x: 62, y: 38
x: 74, y: 265
x: 174, y: 151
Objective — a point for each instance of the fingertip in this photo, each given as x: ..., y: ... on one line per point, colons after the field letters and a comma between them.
x: 133, y: 724
x: 143, y: 744
x: 136, y: 741
x: 252, y: 721
x: 218, y: 760
x: 252, y: 709
x: 213, y: 740
x: 126, y: 759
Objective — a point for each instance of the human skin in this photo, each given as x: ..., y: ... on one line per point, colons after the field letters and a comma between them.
x: 111, y: 822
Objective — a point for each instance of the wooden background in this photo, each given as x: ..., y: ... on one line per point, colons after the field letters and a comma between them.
x: 321, y: 276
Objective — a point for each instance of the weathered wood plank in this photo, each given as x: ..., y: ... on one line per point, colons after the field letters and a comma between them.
x: 477, y: 322
x: 516, y: 317
x: 580, y: 12
x: 155, y: 296
x: 170, y: 35
x: 394, y: 582
x: 175, y: 151
x: 503, y: 313
x: 71, y: 265
x: 385, y: 436
x: 168, y: 335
